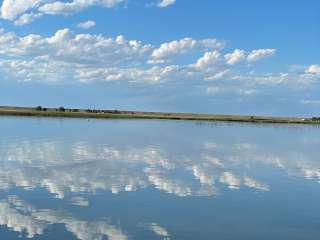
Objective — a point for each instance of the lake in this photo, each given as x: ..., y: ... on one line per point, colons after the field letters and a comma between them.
x: 147, y: 179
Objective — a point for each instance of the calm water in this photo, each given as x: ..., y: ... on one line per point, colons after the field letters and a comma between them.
x: 97, y: 180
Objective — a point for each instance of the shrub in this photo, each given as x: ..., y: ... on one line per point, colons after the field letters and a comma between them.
x: 62, y: 109
x: 39, y: 108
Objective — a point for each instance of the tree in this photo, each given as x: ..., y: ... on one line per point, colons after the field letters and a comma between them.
x: 62, y: 109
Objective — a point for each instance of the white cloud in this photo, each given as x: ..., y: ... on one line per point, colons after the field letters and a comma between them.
x: 184, y: 46
x: 266, y: 79
x: 218, y: 75
x: 26, y: 11
x: 11, y: 9
x: 260, y: 53
x: 67, y: 56
x: 151, y: 75
x: 208, y: 59
x: 75, y: 6
x: 235, y: 57
x: 166, y: 3
x: 88, y: 57
x: 65, y: 46
x: 313, y: 69
x: 32, y: 9
x: 27, y: 18
x: 87, y: 24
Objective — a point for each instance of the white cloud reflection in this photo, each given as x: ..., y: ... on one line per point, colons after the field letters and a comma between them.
x: 158, y: 230
x: 84, y: 167
x: 73, y: 170
x: 21, y: 217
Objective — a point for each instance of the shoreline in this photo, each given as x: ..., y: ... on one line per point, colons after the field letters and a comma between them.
x: 116, y: 114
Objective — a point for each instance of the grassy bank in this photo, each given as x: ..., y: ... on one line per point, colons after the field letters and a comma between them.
x: 89, y: 113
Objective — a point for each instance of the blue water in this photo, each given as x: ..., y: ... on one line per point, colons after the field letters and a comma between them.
x: 126, y: 179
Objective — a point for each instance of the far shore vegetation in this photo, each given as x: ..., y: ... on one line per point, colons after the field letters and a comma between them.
x: 95, y: 113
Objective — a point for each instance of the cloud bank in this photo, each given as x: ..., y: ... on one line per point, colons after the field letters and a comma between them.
x: 86, y: 58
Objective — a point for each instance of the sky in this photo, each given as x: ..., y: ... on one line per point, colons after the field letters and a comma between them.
x: 232, y: 57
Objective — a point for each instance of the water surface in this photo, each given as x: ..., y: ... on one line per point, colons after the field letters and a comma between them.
x: 75, y: 179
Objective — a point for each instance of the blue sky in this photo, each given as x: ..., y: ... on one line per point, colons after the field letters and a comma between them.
x: 229, y: 56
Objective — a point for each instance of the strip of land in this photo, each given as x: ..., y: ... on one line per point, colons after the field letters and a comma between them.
x: 109, y: 114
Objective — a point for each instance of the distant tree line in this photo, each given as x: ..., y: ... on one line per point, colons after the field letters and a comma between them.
x: 62, y: 109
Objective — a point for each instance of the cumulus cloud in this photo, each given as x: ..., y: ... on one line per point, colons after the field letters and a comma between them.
x: 87, y: 24
x: 209, y: 58
x: 239, y: 55
x: 27, y: 18
x: 234, y: 57
x: 88, y: 57
x: 184, y: 46
x: 166, y: 3
x: 11, y: 9
x: 67, y: 56
x: 75, y: 51
x: 260, y: 53
x: 313, y: 69
x: 75, y: 6
x: 28, y: 10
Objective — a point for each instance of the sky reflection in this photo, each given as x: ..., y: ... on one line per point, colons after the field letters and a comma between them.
x: 74, y: 171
